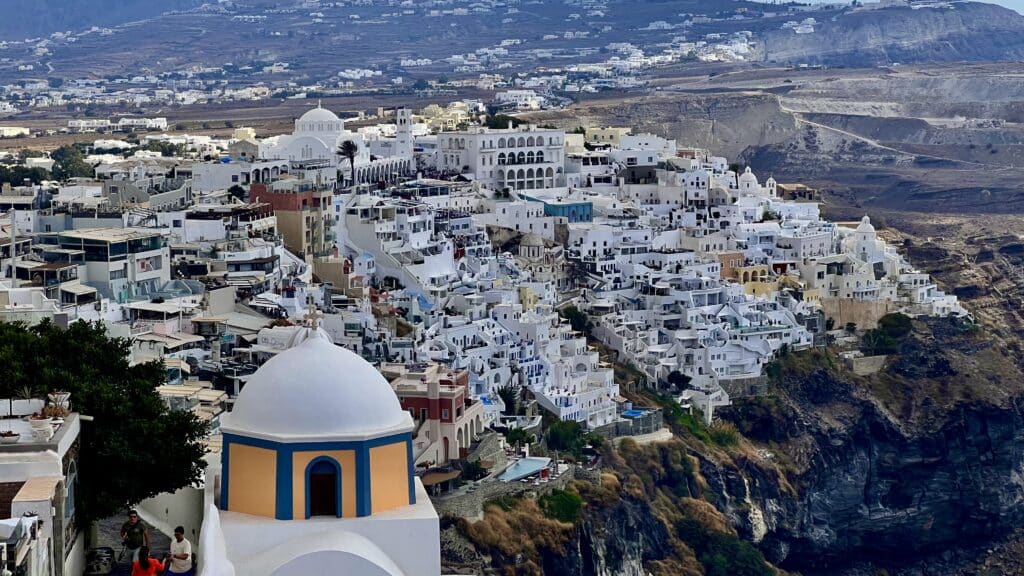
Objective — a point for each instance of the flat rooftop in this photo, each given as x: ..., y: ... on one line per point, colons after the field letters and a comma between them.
x: 111, y: 234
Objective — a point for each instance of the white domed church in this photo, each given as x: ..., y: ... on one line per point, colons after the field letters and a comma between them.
x: 316, y: 474
x: 317, y: 136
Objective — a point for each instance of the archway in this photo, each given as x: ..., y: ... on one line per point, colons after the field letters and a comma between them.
x: 323, y: 488
x: 339, y: 562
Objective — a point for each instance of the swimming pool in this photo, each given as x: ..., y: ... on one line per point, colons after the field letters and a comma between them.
x: 634, y: 413
x: 523, y: 468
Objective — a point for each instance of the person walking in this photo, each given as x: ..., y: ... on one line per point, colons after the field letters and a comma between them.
x: 146, y: 566
x: 134, y: 535
x: 181, y: 554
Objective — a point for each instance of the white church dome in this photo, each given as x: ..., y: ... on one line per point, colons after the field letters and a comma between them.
x: 319, y: 114
x: 316, y: 391
x: 865, y: 226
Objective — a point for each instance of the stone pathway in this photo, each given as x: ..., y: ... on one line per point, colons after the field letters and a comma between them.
x: 109, y: 535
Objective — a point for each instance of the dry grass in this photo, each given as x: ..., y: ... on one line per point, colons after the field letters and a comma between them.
x: 523, y: 530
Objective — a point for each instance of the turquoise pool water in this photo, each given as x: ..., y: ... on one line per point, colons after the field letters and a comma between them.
x: 523, y: 468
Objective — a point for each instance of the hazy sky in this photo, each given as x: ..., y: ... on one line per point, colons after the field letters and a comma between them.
x: 1017, y: 5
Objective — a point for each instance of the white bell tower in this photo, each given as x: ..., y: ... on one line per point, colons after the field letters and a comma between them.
x: 403, y: 133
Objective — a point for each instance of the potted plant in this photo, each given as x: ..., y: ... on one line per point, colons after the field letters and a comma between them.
x: 9, y: 437
x: 54, y: 411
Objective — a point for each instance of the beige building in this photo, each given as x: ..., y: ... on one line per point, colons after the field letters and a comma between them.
x: 610, y: 135
x: 303, y: 215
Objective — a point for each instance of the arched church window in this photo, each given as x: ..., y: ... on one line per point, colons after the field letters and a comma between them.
x: 323, y: 488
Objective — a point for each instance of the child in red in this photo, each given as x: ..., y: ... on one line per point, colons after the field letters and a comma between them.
x: 146, y: 566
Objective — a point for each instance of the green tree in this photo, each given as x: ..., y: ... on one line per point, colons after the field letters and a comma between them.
x: 518, y: 437
x: 564, y: 435
x: 17, y: 175
x: 135, y: 447
x: 237, y: 191
x: 578, y: 319
x: 26, y: 153
x: 722, y: 554
x: 895, y: 325
x: 473, y: 470
x: 69, y: 162
x: 562, y: 505
x: 349, y: 150
x: 501, y: 121
x: 421, y: 85
x: 678, y: 380
x: 509, y: 395
x: 165, y: 149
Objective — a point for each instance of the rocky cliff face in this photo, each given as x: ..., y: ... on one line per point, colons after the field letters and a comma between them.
x: 618, y: 541
x: 837, y: 473
x: 892, y: 468
x: 874, y: 490
x: 964, y: 31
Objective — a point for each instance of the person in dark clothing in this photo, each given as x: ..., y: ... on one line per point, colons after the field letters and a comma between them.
x: 134, y: 535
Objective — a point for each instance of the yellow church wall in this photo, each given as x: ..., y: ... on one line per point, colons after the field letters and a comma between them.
x: 346, y: 459
x: 761, y: 288
x: 252, y: 477
x: 389, y: 472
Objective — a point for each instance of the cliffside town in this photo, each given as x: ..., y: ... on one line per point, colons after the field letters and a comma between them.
x: 515, y: 286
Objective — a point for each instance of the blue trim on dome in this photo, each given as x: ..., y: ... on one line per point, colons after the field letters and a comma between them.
x: 225, y: 468
x: 364, y: 502
x: 283, y: 505
x: 285, y: 451
x: 412, y: 479
x: 307, y: 446
x: 338, y: 507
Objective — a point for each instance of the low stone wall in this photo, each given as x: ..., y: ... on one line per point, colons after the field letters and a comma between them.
x: 470, y: 505
x: 741, y: 387
x: 866, y: 365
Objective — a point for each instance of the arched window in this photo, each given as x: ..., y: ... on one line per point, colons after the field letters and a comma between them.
x: 501, y: 159
x: 522, y: 142
x: 501, y: 142
x: 529, y: 141
x: 323, y: 488
x: 540, y: 156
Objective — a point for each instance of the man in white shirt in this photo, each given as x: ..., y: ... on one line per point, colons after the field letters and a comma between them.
x: 181, y: 554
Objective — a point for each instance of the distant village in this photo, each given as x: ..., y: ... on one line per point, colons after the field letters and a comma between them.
x: 495, y: 277
x: 581, y: 55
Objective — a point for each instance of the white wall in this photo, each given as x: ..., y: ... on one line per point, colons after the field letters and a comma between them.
x: 182, y: 508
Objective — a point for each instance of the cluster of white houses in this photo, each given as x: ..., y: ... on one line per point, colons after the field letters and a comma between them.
x: 459, y: 285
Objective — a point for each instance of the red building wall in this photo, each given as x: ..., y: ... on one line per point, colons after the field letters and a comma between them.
x: 285, y: 201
